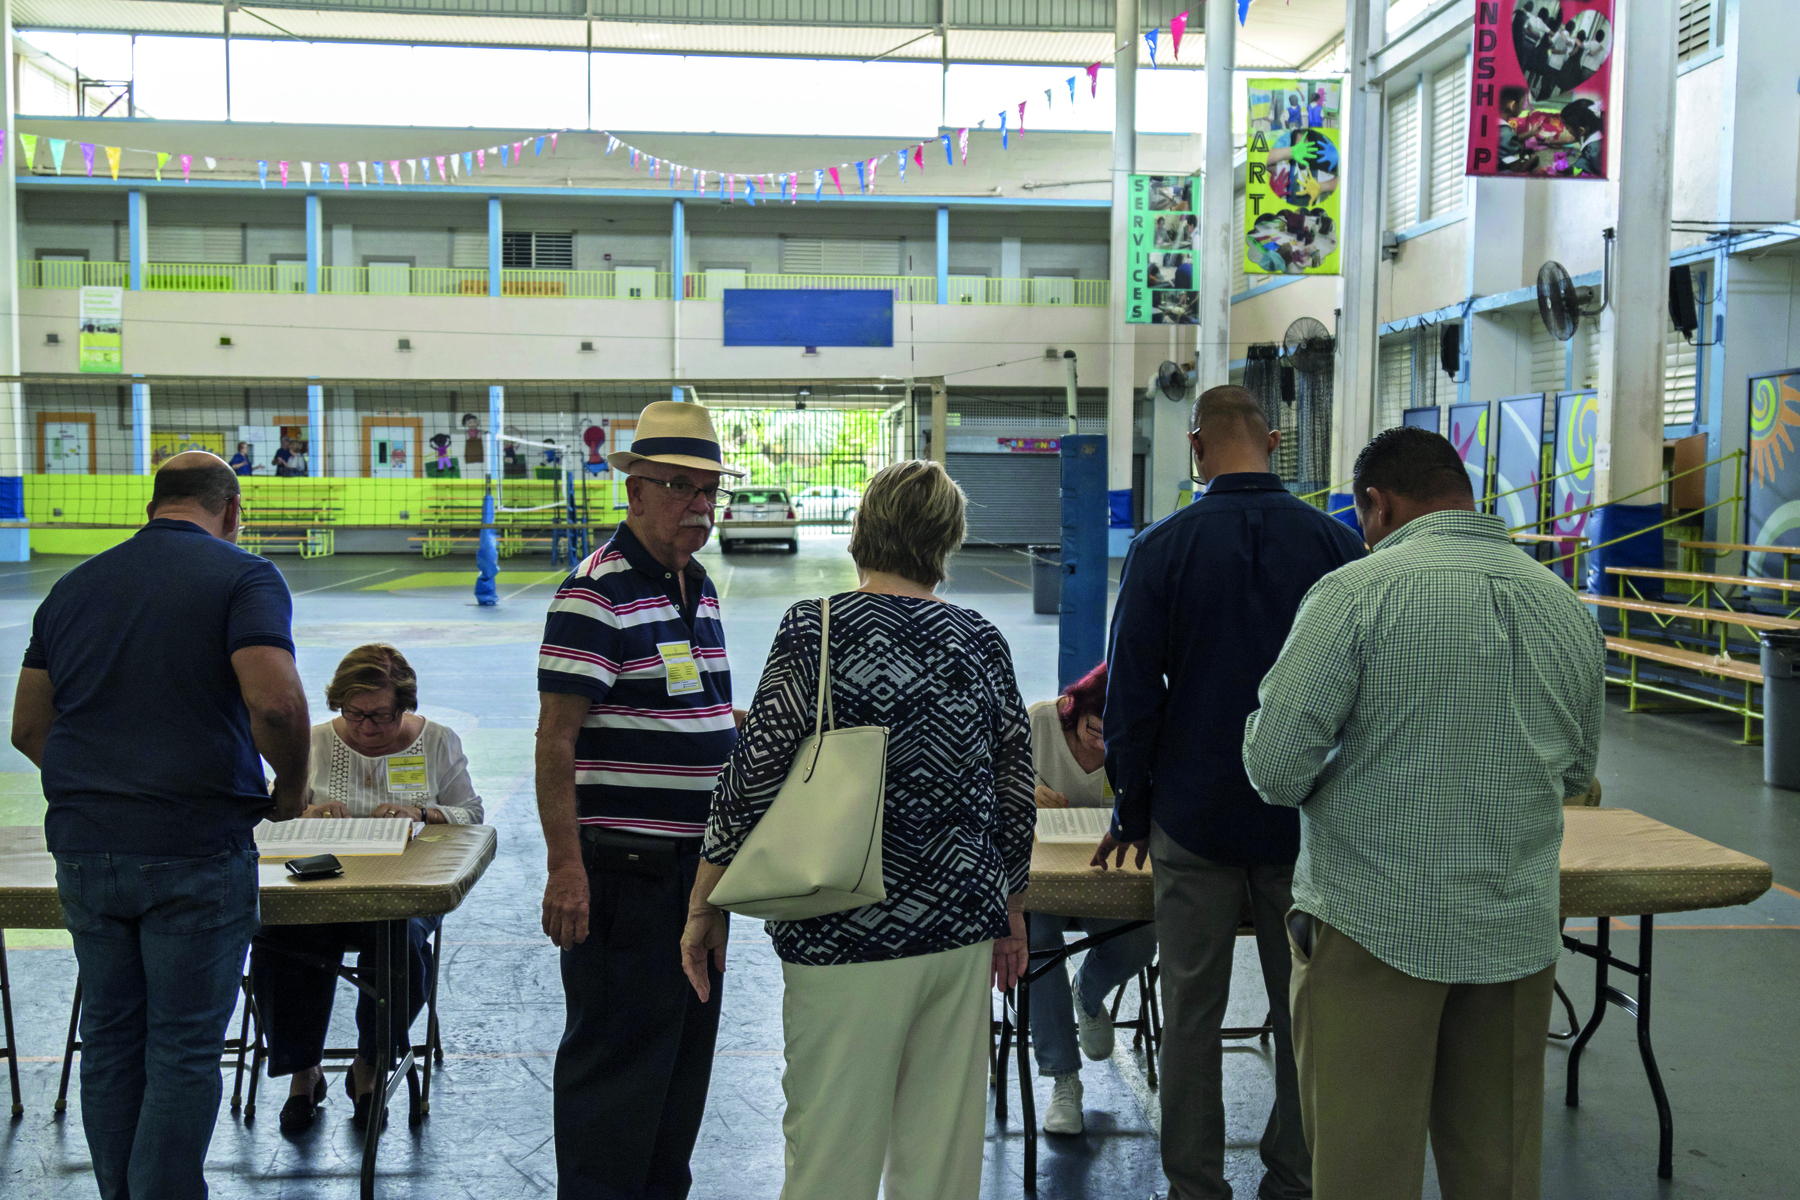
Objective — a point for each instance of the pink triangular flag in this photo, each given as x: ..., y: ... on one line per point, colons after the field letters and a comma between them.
x: 874, y: 165
x: 1093, y: 80
x: 553, y: 143
x: 283, y: 167
x: 518, y: 151
x: 835, y: 181
x: 1177, y: 27
x: 187, y: 165
x: 394, y: 163
x: 344, y: 170
x: 442, y: 176
x: 481, y: 159
x: 919, y: 156
x: 1021, y: 118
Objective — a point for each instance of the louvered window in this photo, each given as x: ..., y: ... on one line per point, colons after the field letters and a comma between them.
x: 1396, y: 361
x: 1680, y: 368
x: 469, y: 248
x: 537, y: 251
x: 1549, y: 360
x: 840, y: 256
x: 1449, y: 137
x: 1403, y: 160
x: 1587, y: 357
x: 196, y: 243
x: 1694, y: 33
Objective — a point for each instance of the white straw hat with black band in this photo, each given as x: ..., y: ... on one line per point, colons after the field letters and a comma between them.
x: 674, y: 432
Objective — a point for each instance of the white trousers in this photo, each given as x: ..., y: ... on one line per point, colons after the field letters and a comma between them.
x: 887, y: 1077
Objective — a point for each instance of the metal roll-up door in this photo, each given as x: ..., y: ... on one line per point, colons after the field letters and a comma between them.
x: 1014, y: 499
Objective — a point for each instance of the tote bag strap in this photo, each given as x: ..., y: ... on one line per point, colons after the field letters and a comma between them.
x: 823, y: 717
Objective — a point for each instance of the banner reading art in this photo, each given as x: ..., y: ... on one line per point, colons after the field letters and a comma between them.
x: 1542, y: 73
x: 101, y: 349
x: 1163, y: 223
x: 1291, y: 177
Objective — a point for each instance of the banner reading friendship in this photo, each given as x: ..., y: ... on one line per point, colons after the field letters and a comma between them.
x: 1542, y: 73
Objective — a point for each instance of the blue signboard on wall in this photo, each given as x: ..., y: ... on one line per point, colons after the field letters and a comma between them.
x: 804, y: 317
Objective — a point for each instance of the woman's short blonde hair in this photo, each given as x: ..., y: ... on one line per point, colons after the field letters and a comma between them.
x: 369, y: 669
x: 909, y: 521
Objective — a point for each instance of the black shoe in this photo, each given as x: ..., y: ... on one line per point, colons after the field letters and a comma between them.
x: 299, y: 1113
x: 359, y: 1119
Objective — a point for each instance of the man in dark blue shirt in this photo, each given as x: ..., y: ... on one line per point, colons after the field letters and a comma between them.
x: 1206, y: 601
x: 156, y: 675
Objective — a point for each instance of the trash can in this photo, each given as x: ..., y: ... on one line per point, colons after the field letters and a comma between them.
x: 1046, y: 578
x: 1781, y: 709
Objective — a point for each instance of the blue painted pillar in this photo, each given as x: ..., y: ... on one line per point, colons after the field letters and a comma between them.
x: 943, y: 255
x: 140, y: 429
x: 315, y: 421
x: 1082, y: 613
x: 496, y: 419
x: 313, y: 219
x: 493, y: 245
x: 678, y: 288
x: 137, y: 237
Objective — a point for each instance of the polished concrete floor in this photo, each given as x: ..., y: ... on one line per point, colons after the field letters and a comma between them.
x: 1725, y: 985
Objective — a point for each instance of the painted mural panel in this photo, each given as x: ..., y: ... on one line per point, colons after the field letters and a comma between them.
x: 1471, y: 432
x: 1577, y: 426
x: 1774, y: 467
x: 1424, y: 418
x: 1519, y: 460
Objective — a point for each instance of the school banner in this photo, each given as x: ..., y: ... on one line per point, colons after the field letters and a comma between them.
x: 102, y: 316
x: 1291, y: 177
x: 1541, y: 79
x: 1164, y: 223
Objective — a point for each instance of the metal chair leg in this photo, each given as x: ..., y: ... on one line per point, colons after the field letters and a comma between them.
x: 71, y: 1045
x: 12, y: 1045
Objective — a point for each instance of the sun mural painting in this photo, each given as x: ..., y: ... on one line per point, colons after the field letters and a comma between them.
x: 1774, y: 467
x: 1774, y: 406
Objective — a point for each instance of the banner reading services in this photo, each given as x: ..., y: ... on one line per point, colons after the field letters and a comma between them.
x: 1291, y: 177
x: 100, y: 348
x: 1164, y: 223
x: 1542, y: 73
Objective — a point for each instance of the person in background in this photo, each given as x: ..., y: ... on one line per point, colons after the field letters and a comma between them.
x: 240, y: 462
x: 635, y: 722
x: 380, y: 758
x: 148, y: 708
x: 1432, y: 709
x: 1068, y: 754
x: 1205, y: 603
x: 284, y: 458
x: 886, y: 1009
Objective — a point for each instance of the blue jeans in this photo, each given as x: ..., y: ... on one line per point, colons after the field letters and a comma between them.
x: 161, y: 945
x: 1106, y: 967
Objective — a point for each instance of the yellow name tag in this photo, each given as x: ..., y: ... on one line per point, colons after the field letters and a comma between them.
x: 406, y: 773
x: 679, y: 665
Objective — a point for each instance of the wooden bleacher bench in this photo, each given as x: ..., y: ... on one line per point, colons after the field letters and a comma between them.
x: 1713, y: 616
x: 1741, y: 671
x: 1548, y: 537
x: 1694, y: 550
x: 1715, y: 580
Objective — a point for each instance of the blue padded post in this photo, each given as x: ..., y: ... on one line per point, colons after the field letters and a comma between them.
x: 314, y: 218
x: 943, y: 255
x: 1643, y: 547
x: 315, y: 430
x: 493, y: 245
x: 1082, y: 613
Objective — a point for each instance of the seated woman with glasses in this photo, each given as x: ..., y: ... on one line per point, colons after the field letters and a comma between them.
x: 380, y: 758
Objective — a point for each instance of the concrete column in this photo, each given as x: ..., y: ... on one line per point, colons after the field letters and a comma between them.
x: 314, y: 248
x: 1631, y: 330
x: 1012, y: 291
x: 315, y: 428
x: 943, y: 255
x: 1217, y: 248
x: 343, y: 257
x: 137, y: 237
x: 493, y: 245
x: 496, y: 422
x: 344, y: 434
x: 1493, y: 343
x: 140, y: 429
x: 13, y: 460
x: 1360, y: 250
x: 1122, y: 361
x: 940, y: 422
x: 678, y: 276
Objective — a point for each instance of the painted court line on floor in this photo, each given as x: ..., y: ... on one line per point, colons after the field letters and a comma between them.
x: 343, y: 582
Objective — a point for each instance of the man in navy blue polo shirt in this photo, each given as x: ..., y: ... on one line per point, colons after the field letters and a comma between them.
x: 635, y: 724
x: 1205, y: 602
x: 157, y: 673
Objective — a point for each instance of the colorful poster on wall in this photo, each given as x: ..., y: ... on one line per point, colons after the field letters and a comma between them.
x: 1431, y: 418
x: 1774, y: 468
x: 168, y: 445
x: 1291, y: 177
x: 1540, y: 85
x: 1572, y: 465
x: 1164, y: 274
x: 1519, y: 461
x: 1470, y: 433
x: 101, y: 341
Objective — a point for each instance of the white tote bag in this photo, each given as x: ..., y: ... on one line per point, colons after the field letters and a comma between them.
x: 817, y: 849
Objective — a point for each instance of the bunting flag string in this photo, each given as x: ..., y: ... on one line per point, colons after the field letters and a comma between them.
x: 1150, y: 41
x: 962, y: 141
x: 1072, y: 79
x: 1243, y: 11
x: 1093, y: 74
x: 262, y: 172
x: 1003, y: 129
x: 1177, y: 27
x: 87, y: 156
x: 162, y: 160
x: 112, y: 161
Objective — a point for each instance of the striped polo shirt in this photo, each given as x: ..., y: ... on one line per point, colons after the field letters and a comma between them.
x: 659, y: 725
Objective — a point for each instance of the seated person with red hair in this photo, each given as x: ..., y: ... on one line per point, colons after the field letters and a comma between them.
x: 1069, y: 758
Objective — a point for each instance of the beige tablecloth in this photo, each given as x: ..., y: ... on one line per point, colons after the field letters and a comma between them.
x: 1615, y: 862
x: 431, y: 877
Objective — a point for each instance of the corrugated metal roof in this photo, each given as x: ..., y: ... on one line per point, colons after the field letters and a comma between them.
x: 1278, y: 35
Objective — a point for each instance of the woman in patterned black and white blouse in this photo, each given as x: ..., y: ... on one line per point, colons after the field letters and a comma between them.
x: 379, y: 758
x: 886, y: 1007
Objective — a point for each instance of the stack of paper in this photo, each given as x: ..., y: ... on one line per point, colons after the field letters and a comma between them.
x: 1077, y: 826
x: 304, y: 837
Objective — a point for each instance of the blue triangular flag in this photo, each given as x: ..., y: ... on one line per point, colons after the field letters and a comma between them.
x: 504, y: 151
x: 380, y: 173
x: 750, y: 191
x: 1003, y: 129
x: 903, y: 164
x: 539, y: 149
x: 948, y: 158
x: 262, y: 171
x: 1150, y: 40
x: 862, y: 183
x: 1072, y: 89
x: 1243, y: 11
x: 469, y: 163
x: 426, y: 163
x: 818, y: 185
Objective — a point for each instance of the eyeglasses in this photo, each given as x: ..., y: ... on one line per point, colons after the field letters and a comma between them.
x: 685, y: 491
x: 387, y: 717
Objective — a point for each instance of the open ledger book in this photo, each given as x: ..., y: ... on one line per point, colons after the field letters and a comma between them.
x: 1077, y: 826
x: 304, y: 837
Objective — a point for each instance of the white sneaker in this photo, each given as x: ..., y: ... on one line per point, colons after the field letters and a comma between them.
x: 1064, y: 1115
x: 1096, y: 1032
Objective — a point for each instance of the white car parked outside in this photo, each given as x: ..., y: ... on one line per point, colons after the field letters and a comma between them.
x: 758, y: 514
x: 827, y: 502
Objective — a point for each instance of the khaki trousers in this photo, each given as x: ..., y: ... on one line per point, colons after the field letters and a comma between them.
x: 1383, y: 1057
x: 887, y: 1077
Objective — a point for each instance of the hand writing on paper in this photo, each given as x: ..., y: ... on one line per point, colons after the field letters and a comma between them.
x: 1049, y: 797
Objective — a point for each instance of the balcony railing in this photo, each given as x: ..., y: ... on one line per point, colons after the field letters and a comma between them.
x: 627, y: 283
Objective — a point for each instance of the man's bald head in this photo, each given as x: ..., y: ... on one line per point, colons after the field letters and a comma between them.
x: 194, y: 479
x: 1230, y: 412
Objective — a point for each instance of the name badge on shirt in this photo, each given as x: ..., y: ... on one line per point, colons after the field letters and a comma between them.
x: 679, y: 665
x: 406, y: 773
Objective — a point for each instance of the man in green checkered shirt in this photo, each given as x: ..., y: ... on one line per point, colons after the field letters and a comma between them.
x: 1432, y: 708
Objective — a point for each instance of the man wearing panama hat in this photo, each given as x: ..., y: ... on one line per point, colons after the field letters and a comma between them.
x: 635, y: 723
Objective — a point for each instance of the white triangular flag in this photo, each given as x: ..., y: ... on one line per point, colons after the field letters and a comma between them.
x: 306, y: 169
